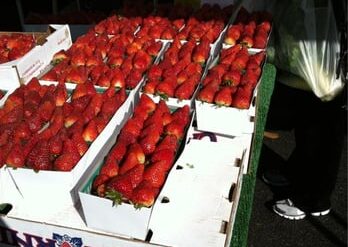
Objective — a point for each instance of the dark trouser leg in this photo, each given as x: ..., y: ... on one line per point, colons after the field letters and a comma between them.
x: 314, y: 164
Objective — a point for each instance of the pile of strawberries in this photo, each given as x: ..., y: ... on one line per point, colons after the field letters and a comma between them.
x: 232, y: 81
x: 180, y: 71
x: 119, y: 61
x: 249, y: 29
x: 137, y: 165
x: 41, y: 130
x: 14, y: 46
x: 116, y: 24
x: 158, y: 27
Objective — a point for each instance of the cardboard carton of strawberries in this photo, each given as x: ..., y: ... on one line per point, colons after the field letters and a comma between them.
x: 49, y: 137
x: 25, y: 55
x: 131, y: 175
x: 224, y: 103
x: 251, y: 29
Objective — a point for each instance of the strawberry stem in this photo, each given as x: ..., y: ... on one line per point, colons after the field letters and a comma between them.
x: 114, y: 196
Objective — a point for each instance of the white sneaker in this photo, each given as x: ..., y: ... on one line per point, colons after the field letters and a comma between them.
x: 287, y: 209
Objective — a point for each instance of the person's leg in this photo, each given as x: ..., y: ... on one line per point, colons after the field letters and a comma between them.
x: 314, y: 164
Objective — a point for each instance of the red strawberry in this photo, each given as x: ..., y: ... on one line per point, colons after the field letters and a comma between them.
x: 50, y: 76
x: 165, y: 89
x: 66, y: 162
x: 135, y: 156
x: 118, y: 80
x: 121, y: 187
x: 80, y: 104
x: 99, y: 184
x: 59, y: 56
x: 150, y: 87
x: 80, y: 144
x: 130, y: 131
x: 35, y: 122
x: 15, y: 157
x: 46, y: 110
x: 77, y: 75
x: 22, y: 133
x: 55, y: 144
x: 155, y: 174
x: 39, y: 157
x: 185, y: 90
x: 166, y: 155
x: 149, y: 141
x: 78, y: 59
x: 242, y: 98
x: 144, y: 195
x: 90, y: 132
x: 146, y: 103
x: 175, y: 128
x: 133, y: 79
x: 182, y: 114
x: 223, y: 97
x: 60, y: 94
x: 231, y: 78
x: 155, y: 73
x: 168, y: 142
x: 72, y: 119
x: 13, y: 116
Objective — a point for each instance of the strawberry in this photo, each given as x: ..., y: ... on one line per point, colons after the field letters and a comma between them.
x: 175, y: 128
x: 94, y: 60
x: 46, y: 110
x: 185, y: 90
x: 99, y: 184
x: 21, y: 133
x: 39, y: 157
x: 130, y: 131
x: 55, y: 144
x: 101, y: 121
x: 242, y: 98
x: 118, y: 80
x: 133, y: 79
x: 155, y: 174
x: 121, y: 187
x: 154, y: 48
x: 94, y: 107
x: 223, y: 97
x: 72, y: 119
x: 90, y: 132
x: 134, y: 156
x: 231, y: 78
x: 60, y: 94
x: 80, y: 144
x: 15, y: 157
x: 144, y: 195
x: 50, y: 76
x: 80, y: 104
x: 35, y: 122
x: 66, y: 161
x: 78, y: 59
x: 149, y: 141
x: 98, y: 71
x: 110, y: 167
x: 166, y: 155
x: 77, y: 127
x: 146, y: 103
x: 13, y: 116
x: 247, y: 41
x: 182, y: 114
x: 150, y: 86
x: 154, y: 73
x: 77, y: 75
x: 165, y: 89
x: 59, y: 56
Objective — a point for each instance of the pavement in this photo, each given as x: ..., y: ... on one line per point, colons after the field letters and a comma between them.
x: 268, y: 229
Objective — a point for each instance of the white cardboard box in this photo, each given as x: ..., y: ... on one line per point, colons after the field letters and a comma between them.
x: 21, y: 70
x: 58, y: 188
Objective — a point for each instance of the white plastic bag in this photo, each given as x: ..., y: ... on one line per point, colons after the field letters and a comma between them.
x: 307, y: 44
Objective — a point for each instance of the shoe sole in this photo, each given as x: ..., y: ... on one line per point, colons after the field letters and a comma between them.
x: 300, y: 217
x: 322, y: 213
x: 315, y: 214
